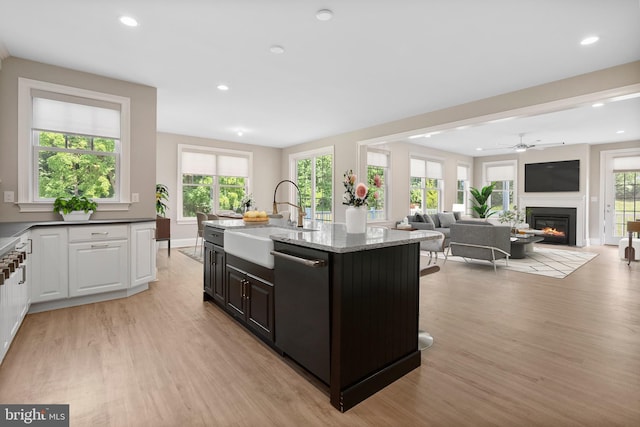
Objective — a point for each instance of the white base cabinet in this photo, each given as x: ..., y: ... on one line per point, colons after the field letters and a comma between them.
x: 97, y: 267
x: 49, y: 264
x: 143, y: 253
x: 14, y: 297
x: 72, y: 263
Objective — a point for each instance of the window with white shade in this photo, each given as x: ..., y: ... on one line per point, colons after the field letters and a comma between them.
x: 426, y: 182
x: 378, y: 171
x: 462, y: 189
x: 503, y: 176
x: 211, y: 180
x: 71, y: 142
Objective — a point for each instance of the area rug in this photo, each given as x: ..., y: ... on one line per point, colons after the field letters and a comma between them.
x: 198, y: 256
x: 551, y: 262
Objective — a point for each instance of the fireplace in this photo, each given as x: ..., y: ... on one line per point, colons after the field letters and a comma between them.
x: 557, y: 224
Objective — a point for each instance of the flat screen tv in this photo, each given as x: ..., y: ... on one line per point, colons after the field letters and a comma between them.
x: 552, y: 176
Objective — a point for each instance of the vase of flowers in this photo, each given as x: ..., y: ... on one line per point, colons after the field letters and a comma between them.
x: 356, y: 197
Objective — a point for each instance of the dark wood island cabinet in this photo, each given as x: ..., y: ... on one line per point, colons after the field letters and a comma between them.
x: 344, y: 307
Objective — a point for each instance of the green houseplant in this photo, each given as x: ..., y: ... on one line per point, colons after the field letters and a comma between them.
x: 163, y: 224
x: 74, y: 208
x: 480, y: 199
x: 162, y: 195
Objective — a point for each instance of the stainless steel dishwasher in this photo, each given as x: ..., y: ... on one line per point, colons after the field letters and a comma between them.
x: 302, y: 325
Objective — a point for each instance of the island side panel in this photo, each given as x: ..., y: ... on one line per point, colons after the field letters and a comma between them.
x: 375, y: 298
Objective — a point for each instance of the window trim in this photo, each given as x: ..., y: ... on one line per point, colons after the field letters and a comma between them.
x: 467, y: 185
x: 512, y: 163
x: 26, y: 198
x: 210, y: 150
x: 293, y: 159
x: 441, y: 181
x: 387, y: 184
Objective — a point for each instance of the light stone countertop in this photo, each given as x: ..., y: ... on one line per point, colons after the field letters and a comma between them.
x: 332, y: 237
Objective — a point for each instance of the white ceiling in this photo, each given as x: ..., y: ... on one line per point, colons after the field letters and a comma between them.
x: 374, y: 62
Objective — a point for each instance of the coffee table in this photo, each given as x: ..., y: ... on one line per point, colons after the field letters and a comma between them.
x: 522, y: 245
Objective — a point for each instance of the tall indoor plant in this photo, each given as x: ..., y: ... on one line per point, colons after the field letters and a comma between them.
x: 163, y: 224
x: 480, y: 199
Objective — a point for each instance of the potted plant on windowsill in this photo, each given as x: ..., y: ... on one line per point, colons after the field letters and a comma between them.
x: 74, y: 208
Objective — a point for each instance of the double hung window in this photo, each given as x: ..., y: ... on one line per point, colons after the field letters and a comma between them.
x: 426, y: 186
x: 72, y: 142
x: 503, y: 176
x: 211, y: 180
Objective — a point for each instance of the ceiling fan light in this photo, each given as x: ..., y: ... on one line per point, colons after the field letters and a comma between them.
x: 521, y: 149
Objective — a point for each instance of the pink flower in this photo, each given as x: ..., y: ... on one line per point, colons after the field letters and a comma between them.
x: 376, y: 195
x: 377, y: 181
x: 361, y: 191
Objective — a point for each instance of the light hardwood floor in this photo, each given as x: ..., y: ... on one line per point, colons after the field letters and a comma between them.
x: 511, y: 349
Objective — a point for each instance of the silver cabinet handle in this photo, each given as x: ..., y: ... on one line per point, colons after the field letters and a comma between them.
x: 24, y: 274
x: 99, y: 246
x: 314, y: 263
x: 100, y: 233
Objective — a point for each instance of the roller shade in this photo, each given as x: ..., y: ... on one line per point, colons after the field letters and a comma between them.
x: 67, y: 117
x: 500, y: 173
x: 426, y: 169
x: 375, y: 158
x: 434, y: 170
x: 233, y: 166
x: 418, y: 168
x: 198, y: 163
x: 463, y: 173
x: 626, y: 164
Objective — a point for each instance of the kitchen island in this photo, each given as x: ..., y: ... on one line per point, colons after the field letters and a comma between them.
x: 343, y: 306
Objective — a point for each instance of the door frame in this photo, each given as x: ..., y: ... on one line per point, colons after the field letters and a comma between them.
x: 606, y: 176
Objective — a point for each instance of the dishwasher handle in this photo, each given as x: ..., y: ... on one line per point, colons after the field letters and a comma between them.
x: 314, y: 263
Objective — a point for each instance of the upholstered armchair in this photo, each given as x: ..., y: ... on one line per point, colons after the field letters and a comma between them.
x: 480, y: 240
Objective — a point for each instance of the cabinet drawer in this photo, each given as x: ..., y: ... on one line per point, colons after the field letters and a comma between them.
x: 214, y: 235
x: 101, y: 232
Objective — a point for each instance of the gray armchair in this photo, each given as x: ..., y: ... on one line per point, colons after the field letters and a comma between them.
x: 480, y: 240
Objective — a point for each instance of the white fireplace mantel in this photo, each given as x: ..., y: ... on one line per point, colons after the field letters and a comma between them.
x: 561, y: 201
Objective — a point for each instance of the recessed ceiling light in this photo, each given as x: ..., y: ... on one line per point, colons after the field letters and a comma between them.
x: 240, y: 132
x: 276, y: 49
x: 478, y: 149
x: 324, y: 15
x: 223, y: 87
x: 620, y: 131
x: 128, y: 21
x: 589, y: 40
x: 597, y: 104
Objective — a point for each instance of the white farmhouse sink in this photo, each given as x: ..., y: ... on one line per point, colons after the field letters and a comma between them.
x: 252, y: 244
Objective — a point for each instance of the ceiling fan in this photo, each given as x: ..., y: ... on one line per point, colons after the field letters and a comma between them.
x: 522, y: 147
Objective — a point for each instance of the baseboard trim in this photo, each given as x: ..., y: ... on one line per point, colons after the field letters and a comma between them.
x: 39, y: 307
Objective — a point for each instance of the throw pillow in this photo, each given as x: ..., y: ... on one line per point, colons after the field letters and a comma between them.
x: 428, y: 220
x: 435, y: 220
x: 446, y: 219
